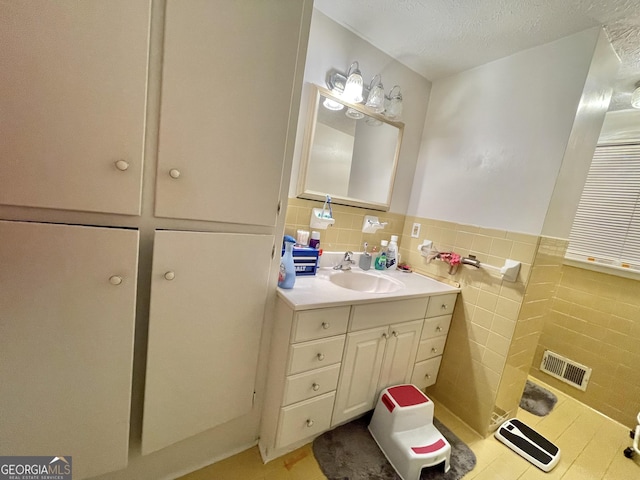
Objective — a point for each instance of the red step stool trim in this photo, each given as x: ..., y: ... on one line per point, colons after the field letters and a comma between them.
x: 434, y: 447
x: 407, y: 396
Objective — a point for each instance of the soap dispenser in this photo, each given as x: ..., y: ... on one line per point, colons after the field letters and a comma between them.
x: 365, y: 259
x: 381, y: 260
x: 287, y: 274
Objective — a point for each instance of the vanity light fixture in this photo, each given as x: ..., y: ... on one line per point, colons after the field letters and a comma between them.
x: 353, y: 86
x: 375, y: 99
x: 393, y: 103
x: 332, y: 104
x: 350, y: 88
x: 635, y: 97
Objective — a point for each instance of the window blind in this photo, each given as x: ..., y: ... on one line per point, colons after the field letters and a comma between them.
x: 606, y: 228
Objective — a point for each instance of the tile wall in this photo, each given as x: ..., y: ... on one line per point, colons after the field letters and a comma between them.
x: 346, y: 233
x: 486, y: 314
x: 541, y: 288
x: 595, y: 320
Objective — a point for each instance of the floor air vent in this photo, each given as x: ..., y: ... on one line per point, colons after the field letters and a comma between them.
x: 566, y: 370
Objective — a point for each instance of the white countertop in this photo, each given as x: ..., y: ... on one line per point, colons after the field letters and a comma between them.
x: 318, y: 291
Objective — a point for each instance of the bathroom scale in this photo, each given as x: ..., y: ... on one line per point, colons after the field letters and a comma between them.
x: 529, y: 444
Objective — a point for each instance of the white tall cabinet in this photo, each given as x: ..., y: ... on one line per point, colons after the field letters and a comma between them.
x: 169, y: 122
x: 72, y: 104
x: 67, y: 307
x: 204, y: 333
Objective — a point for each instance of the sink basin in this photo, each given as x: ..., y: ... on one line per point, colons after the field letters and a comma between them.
x: 366, y: 282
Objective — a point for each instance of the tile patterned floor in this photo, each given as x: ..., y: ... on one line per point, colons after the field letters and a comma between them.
x: 591, y: 446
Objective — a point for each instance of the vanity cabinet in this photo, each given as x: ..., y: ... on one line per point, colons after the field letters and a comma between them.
x: 67, y: 308
x: 378, y: 357
x: 364, y: 348
x: 432, y: 340
x: 73, y: 104
x: 306, y: 354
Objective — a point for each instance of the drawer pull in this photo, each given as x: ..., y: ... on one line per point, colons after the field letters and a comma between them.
x: 395, y: 334
x: 169, y: 275
x: 434, y: 350
x: 438, y: 328
x: 325, y: 325
x: 122, y: 165
x: 315, y: 387
x: 309, y: 422
x: 428, y: 375
x: 321, y: 356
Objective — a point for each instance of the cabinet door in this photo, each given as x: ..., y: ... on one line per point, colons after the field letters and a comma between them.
x: 400, y: 353
x: 73, y: 99
x: 67, y: 308
x: 228, y: 74
x: 360, y: 373
x: 208, y: 293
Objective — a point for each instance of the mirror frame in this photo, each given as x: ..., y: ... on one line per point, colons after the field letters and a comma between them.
x: 302, y: 191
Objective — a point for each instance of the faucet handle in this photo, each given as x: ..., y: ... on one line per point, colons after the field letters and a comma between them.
x: 347, y: 256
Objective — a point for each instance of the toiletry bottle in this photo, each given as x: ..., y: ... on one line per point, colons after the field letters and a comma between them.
x: 381, y: 260
x: 315, y: 240
x: 392, y: 252
x: 287, y: 275
x: 364, y: 262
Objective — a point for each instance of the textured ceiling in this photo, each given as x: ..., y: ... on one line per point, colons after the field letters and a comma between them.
x: 437, y: 38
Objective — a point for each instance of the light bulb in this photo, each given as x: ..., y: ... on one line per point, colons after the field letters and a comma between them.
x: 353, y: 86
x: 375, y: 100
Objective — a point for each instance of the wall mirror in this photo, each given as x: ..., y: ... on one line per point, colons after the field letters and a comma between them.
x: 348, y: 153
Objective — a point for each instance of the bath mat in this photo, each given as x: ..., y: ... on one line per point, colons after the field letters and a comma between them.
x: 537, y: 400
x: 349, y: 452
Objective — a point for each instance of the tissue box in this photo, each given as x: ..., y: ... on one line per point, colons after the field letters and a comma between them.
x: 305, y: 260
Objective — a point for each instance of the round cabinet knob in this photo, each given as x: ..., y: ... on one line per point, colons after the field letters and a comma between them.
x: 395, y: 334
x: 170, y: 275
x: 115, y: 280
x: 438, y: 328
x: 434, y: 350
x: 173, y: 173
x: 325, y: 325
x: 428, y: 375
x: 315, y: 387
x: 309, y: 422
x: 321, y: 356
x: 444, y: 306
x: 122, y: 165
x: 385, y: 335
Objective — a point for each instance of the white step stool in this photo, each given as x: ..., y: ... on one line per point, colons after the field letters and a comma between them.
x: 402, y: 426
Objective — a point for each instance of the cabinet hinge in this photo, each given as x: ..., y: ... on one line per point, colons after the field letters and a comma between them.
x: 279, y: 208
x: 253, y: 399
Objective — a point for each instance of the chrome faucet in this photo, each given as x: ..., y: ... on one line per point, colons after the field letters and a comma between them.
x: 345, y: 263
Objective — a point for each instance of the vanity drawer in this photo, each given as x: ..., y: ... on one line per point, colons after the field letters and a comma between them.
x: 436, y: 326
x: 310, y: 384
x: 441, y: 304
x: 315, y: 354
x: 431, y: 347
x: 320, y: 323
x: 304, y: 419
x: 425, y: 373
x: 386, y: 313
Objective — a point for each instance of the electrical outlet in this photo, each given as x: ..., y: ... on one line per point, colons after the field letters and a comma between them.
x: 415, y: 230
